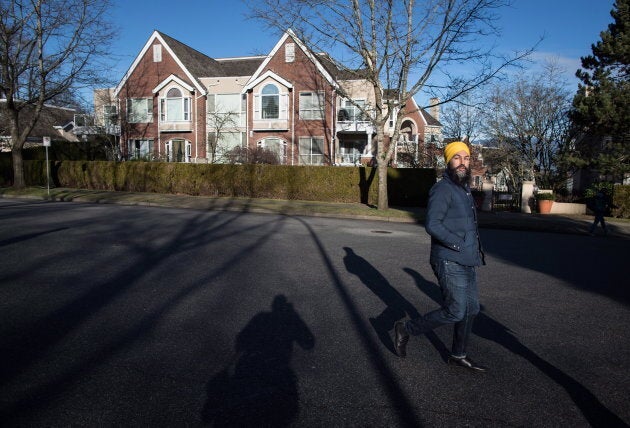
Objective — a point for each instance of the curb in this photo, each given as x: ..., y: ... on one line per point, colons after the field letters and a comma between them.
x: 551, y: 223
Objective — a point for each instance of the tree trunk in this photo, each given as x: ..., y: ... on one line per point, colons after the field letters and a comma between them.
x: 383, y: 200
x: 18, y: 168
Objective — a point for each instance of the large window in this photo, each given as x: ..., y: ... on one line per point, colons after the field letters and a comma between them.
x: 139, y: 110
x: 276, y: 146
x: 312, y: 105
x: 311, y: 151
x: 222, y: 146
x: 110, y: 115
x: 226, y: 110
x: 175, y: 107
x: 140, y: 149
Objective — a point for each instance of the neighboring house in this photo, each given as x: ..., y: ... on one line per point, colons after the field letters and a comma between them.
x: 54, y: 122
x: 178, y: 105
x: 478, y: 169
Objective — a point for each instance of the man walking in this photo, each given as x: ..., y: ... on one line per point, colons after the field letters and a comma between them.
x: 455, y: 252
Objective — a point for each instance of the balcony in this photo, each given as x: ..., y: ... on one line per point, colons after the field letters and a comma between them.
x: 351, y: 120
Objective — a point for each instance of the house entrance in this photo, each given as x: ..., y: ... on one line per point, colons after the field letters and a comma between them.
x: 178, y: 151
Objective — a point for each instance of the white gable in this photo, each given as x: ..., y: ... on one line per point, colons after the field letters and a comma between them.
x: 256, y: 76
x: 268, y: 74
x: 169, y: 79
x: 147, y: 46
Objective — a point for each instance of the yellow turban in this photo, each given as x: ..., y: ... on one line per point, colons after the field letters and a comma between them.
x: 453, y: 148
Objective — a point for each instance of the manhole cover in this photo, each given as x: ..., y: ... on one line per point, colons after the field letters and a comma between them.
x: 381, y: 231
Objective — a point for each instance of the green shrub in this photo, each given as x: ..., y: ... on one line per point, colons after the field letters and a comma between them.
x: 545, y: 196
x: 603, y: 186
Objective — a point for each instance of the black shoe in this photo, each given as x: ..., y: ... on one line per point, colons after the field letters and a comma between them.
x: 401, y: 338
x: 466, y: 363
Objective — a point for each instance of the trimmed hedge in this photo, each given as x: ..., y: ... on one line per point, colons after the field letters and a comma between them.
x: 406, y: 187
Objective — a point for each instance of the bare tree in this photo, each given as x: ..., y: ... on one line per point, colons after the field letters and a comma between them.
x: 528, y: 118
x: 47, y: 48
x: 396, y: 46
x: 222, y: 125
x: 463, y: 117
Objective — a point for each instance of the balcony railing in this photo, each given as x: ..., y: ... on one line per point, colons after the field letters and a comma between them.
x: 351, y: 120
x: 350, y: 158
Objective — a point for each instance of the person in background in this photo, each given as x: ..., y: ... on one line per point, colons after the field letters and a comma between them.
x: 599, y: 207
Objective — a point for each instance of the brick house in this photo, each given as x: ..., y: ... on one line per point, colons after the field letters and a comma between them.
x: 178, y: 105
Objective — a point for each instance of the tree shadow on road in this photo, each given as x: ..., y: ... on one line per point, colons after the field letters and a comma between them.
x: 27, y: 346
x: 397, y: 307
x: 259, y: 388
x: 403, y: 406
x: 485, y: 326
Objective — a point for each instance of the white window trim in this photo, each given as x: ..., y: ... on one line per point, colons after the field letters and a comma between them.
x: 283, y: 103
x: 131, y: 150
x: 320, y: 100
x: 186, y: 103
x: 310, y: 154
x: 106, y: 116
x: 149, y: 111
x: 237, y: 115
x: 187, y: 150
x: 283, y: 144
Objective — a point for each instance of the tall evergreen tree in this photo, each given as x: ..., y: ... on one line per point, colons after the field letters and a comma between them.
x: 601, y: 107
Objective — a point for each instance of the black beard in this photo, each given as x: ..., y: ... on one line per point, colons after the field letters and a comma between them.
x: 462, y: 181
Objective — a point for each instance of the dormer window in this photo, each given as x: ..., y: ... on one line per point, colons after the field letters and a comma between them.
x: 174, y: 107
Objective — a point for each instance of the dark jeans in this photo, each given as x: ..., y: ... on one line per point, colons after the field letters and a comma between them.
x: 599, y: 218
x: 459, y: 307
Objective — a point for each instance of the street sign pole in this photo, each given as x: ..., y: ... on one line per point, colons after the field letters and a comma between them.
x: 46, y: 141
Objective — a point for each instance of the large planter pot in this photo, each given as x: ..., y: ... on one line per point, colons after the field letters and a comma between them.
x: 544, y: 206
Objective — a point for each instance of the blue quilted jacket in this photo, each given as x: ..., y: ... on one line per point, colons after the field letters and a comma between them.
x: 452, y: 223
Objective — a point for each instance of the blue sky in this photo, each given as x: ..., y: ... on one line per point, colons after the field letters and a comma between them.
x: 220, y: 29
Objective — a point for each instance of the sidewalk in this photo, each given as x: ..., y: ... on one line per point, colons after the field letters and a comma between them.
x: 555, y: 223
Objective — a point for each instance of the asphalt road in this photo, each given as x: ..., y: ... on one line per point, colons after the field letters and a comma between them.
x: 137, y: 316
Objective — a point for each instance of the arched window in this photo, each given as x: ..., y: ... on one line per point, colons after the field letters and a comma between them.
x: 270, y: 96
x: 174, y: 107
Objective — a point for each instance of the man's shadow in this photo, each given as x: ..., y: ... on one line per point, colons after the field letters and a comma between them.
x: 259, y: 388
x: 397, y: 307
x: 488, y: 328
